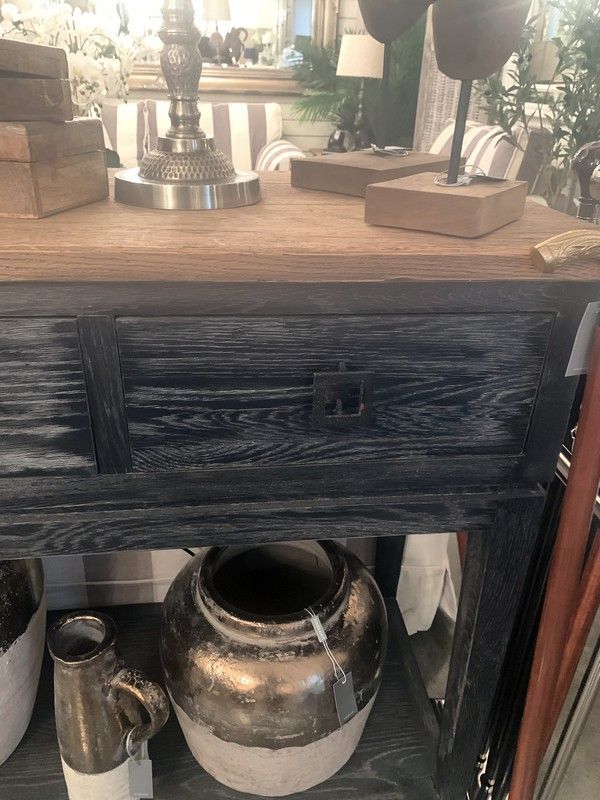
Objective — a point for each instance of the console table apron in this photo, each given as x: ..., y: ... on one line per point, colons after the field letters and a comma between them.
x: 287, y: 372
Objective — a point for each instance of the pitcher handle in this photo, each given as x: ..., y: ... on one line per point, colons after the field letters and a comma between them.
x: 151, y: 697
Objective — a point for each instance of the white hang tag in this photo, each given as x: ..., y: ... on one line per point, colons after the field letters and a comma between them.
x: 345, y: 699
x: 343, y: 688
x: 578, y: 363
x: 140, y: 775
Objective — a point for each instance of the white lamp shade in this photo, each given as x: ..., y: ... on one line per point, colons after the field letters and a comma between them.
x: 216, y: 10
x: 361, y: 56
x: 259, y: 14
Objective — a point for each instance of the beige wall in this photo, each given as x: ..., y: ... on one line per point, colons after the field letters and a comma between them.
x: 350, y: 18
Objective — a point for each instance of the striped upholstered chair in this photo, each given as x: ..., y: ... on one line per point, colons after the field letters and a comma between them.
x: 487, y: 147
x: 249, y: 133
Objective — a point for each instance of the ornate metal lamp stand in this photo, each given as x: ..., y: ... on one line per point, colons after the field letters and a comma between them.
x: 186, y: 171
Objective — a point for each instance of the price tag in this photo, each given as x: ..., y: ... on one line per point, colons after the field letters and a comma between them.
x: 345, y: 699
x: 578, y: 363
x: 140, y: 775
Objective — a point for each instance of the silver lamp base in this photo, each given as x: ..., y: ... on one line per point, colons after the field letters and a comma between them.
x: 133, y: 190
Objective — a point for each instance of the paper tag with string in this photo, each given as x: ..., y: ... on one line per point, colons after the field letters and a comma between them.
x: 343, y: 688
x: 140, y: 774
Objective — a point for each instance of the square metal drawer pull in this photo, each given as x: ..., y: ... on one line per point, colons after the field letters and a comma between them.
x: 343, y: 399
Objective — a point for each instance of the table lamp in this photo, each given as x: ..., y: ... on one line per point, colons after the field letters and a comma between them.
x: 216, y: 11
x: 361, y: 56
x: 185, y: 170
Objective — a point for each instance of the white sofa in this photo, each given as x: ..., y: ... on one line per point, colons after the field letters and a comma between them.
x: 249, y: 133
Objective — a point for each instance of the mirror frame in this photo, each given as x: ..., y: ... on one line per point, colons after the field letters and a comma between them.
x: 265, y: 80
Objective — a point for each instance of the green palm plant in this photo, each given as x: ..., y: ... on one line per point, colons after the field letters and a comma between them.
x: 328, y: 97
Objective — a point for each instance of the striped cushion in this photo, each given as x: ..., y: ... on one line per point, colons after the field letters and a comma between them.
x: 124, y: 127
x: 485, y: 146
x: 276, y: 156
x: 240, y: 130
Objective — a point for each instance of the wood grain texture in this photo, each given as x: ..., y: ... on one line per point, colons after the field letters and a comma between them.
x: 418, y: 203
x: 214, y: 391
x: 392, y: 761
x: 37, y: 141
x: 35, y: 60
x: 35, y: 98
x: 102, y: 369
x: 494, y: 576
x: 351, y: 173
x: 133, y: 512
x: 183, y: 298
x: 44, y: 424
x: 42, y: 188
x: 294, y: 235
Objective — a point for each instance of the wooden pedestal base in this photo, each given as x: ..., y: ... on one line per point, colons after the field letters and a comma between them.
x: 351, y: 173
x: 418, y: 203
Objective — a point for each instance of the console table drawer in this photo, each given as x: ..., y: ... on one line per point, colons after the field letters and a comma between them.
x: 44, y: 421
x: 217, y: 391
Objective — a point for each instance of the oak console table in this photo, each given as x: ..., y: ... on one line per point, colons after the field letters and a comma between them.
x: 286, y: 372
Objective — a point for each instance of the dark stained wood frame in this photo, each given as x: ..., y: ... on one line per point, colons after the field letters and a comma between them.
x: 496, y: 499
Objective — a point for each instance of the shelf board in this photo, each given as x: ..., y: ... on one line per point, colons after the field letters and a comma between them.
x: 394, y: 760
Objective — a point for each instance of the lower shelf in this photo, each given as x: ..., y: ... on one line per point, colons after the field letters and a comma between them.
x: 394, y: 760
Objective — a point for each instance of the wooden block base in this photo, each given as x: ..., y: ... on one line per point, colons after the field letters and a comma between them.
x: 418, y: 203
x: 351, y: 173
x: 43, y: 188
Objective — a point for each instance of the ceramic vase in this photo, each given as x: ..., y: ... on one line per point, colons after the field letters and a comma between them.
x: 22, y: 635
x: 98, y: 707
x: 250, y: 680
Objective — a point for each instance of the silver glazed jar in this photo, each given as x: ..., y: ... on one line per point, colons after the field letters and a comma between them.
x: 22, y: 635
x: 98, y: 707
x: 250, y: 682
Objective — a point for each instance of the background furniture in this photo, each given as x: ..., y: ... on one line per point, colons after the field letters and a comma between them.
x: 249, y: 133
x: 171, y: 380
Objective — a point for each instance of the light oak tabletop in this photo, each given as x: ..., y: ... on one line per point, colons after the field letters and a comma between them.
x: 293, y: 235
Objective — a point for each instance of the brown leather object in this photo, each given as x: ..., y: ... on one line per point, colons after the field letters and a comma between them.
x: 475, y: 38
x: 386, y: 20
x: 563, y: 601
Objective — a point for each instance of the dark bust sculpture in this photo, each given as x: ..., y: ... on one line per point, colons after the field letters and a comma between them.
x: 475, y: 38
x: 386, y: 20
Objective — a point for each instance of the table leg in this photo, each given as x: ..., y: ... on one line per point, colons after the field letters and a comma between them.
x: 388, y: 563
x: 494, y: 575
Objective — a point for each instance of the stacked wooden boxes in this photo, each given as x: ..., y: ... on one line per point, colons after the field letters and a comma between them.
x: 49, y: 162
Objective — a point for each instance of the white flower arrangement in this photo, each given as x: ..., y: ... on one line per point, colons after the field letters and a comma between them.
x: 100, y: 58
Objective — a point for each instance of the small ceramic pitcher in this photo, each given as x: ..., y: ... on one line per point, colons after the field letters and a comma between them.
x: 97, y: 705
x: 22, y: 634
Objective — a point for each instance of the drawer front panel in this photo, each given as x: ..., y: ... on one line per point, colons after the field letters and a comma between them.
x: 220, y: 391
x: 44, y: 420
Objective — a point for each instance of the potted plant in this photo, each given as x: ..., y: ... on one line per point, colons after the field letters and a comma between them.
x: 564, y: 113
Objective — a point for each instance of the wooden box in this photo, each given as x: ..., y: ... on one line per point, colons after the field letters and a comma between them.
x: 47, y: 167
x: 21, y: 59
x: 34, y: 82
x: 351, y: 173
x: 41, y: 141
x: 41, y: 188
x: 418, y: 203
x: 35, y: 98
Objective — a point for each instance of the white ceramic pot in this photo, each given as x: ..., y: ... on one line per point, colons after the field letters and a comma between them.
x: 22, y: 636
